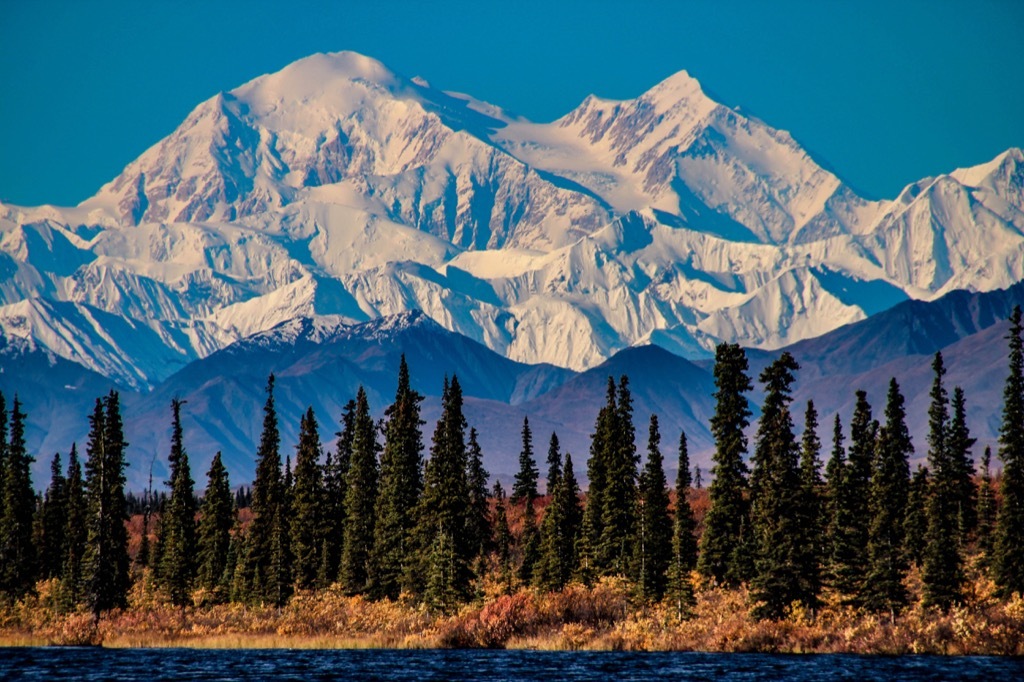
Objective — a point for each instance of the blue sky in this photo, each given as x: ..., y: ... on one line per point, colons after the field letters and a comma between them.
x: 884, y: 93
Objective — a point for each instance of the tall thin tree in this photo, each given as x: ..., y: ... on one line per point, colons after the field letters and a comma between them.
x: 776, y: 511
x: 684, y: 538
x: 723, y: 547
x: 217, y: 517
x: 1008, y: 550
x: 942, y: 572
x: 401, y: 484
x: 307, y: 519
x: 890, y: 488
x: 17, y: 553
x: 360, y: 498
x: 178, y: 526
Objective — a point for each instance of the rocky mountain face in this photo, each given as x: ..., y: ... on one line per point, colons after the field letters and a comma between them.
x: 336, y: 187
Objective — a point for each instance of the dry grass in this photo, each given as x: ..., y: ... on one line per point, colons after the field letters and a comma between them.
x: 592, y: 618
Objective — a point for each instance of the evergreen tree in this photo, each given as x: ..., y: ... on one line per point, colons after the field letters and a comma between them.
x: 890, y: 487
x: 1008, y: 550
x: 52, y: 546
x: 548, y: 573
x: 177, y: 524
x: 335, y: 475
x: 811, y: 545
x: 560, y: 530
x: 105, y: 561
x: 265, y: 569
x: 915, y: 525
x: 962, y: 467
x: 401, y: 484
x: 3, y: 446
x: 602, y: 440
x: 70, y: 591
x: 442, y: 511
x: 307, y: 521
x: 776, y: 498
x: 653, y: 545
x: 840, y: 540
x: 478, y: 524
x: 554, y: 463
x: 942, y: 572
x: 529, y: 543
x: 684, y: 538
x: 525, y: 487
x: 723, y: 545
x: 214, y: 533
x: 863, y: 432
x: 17, y: 553
x: 986, y: 510
x: 502, y: 537
x: 360, y: 498
x: 619, y: 498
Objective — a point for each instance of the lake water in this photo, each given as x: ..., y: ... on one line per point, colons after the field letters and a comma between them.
x: 308, y: 665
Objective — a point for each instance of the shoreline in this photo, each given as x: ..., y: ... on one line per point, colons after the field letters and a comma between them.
x: 579, y: 618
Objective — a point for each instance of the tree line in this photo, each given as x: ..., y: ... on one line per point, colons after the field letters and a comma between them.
x: 373, y: 516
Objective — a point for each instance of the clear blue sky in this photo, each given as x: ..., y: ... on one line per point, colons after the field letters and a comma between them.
x: 882, y: 92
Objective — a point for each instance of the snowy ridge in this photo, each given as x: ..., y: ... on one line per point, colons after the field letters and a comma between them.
x: 336, y: 188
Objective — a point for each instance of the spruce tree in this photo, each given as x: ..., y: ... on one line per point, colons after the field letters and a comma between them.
x: 525, y: 487
x: 478, y: 524
x: 811, y: 545
x: 529, y: 543
x: 70, y: 591
x: 401, y: 484
x: 554, y: 463
x: 1008, y: 549
x: 307, y: 520
x: 360, y: 498
x: 723, y: 545
x: 105, y: 561
x: 890, y: 487
x: 560, y: 530
x: 17, y: 552
x: 502, y: 537
x: 442, y: 513
x: 684, y: 538
x: 335, y: 475
x: 861, y: 457
x: 776, y: 511
x: 214, y: 533
x: 840, y: 535
x: 962, y: 467
x: 3, y: 445
x: 53, y: 517
x: 942, y: 572
x: 265, y: 568
x: 915, y: 525
x: 618, y: 517
x: 177, y: 524
x: 986, y: 510
x: 602, y: 440
x: 653, y: 543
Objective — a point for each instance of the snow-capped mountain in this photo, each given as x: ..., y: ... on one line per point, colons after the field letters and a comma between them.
x: 336, y: 187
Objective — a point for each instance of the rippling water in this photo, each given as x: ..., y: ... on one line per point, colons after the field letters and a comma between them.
x: 308, y: 665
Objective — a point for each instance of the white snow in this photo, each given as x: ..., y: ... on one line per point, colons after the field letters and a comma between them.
x: 339, y: 190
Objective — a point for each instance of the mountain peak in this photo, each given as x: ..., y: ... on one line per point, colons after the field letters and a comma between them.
x: 678, y: 87
x: 318, y: 74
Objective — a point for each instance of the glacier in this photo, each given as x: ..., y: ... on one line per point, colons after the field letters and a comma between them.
x: 337, y: 188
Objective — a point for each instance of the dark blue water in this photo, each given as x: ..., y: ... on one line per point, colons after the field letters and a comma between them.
x: 308, y: 665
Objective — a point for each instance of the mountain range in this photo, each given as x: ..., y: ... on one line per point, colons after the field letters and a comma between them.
x: 313, y: 211
x: 320, y: 363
